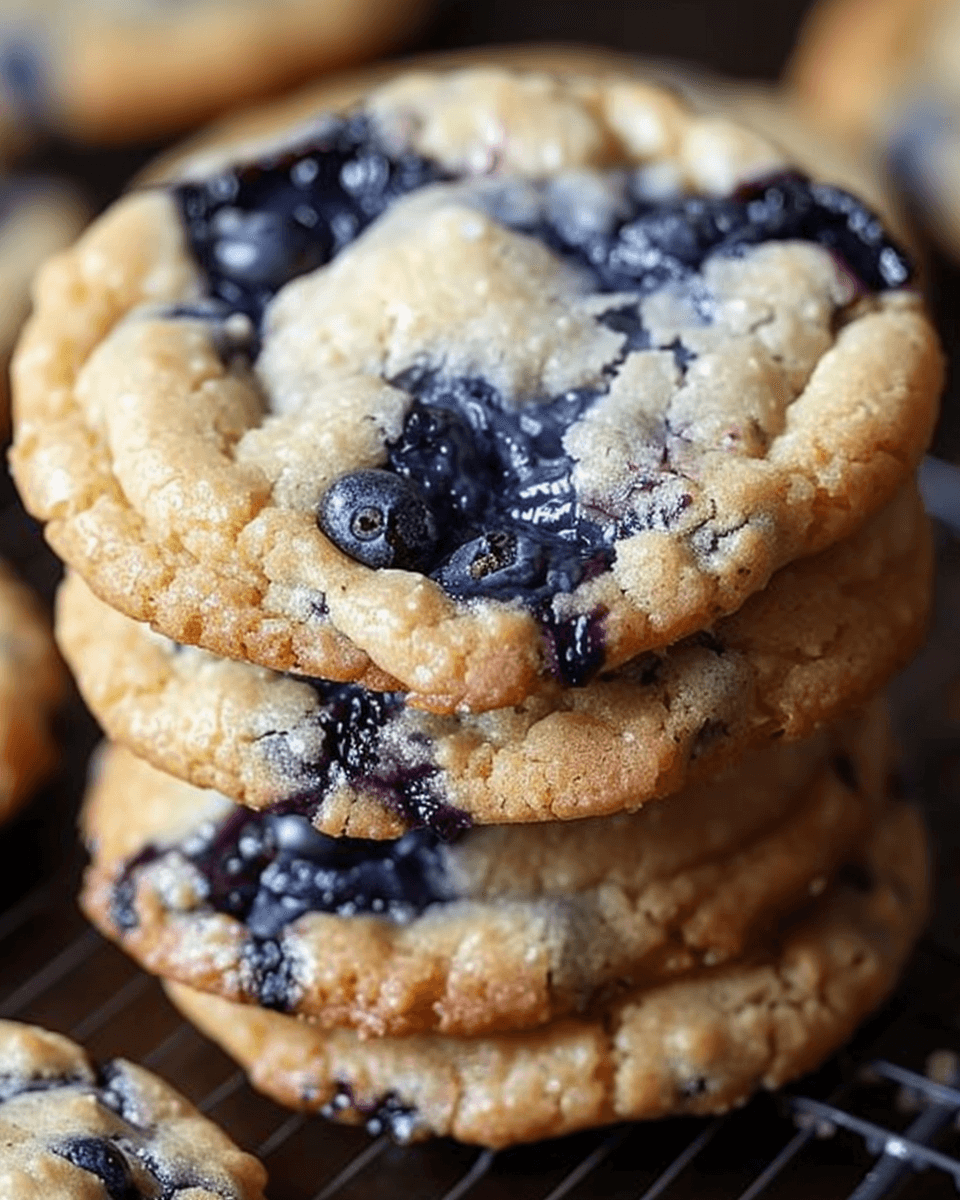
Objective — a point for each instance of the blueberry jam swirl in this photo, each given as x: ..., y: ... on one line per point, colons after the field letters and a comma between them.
x: 477, y: 492
x: 255, y: 228
x: 267, y: 870
x: 358, y: 748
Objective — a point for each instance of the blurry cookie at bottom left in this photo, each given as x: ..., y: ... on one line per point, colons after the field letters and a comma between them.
x: 70, y: 1130
x: 32, y: 683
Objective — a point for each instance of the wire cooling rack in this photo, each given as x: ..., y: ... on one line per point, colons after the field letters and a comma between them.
x: 871, y: 1124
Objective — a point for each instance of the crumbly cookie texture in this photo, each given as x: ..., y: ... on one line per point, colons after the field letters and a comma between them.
x: 691, y: 404
x: 507, y: 928
x: 700, y: 1044
x: 824, y: 635
x: 104, y: 70
x: 71, y: 1130
x: 884, y: 75
x: 32, y: 683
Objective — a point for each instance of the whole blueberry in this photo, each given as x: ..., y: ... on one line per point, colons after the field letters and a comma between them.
x: 104, y: 1160
x: 500, y: 562
x: 380, y: 519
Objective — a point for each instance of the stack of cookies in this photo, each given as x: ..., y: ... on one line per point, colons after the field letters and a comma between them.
x: 514, y: 466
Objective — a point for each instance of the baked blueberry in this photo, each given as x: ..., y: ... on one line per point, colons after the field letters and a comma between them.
x: 500, y: 561
x: 106, y: 1161
x: 380, y: 519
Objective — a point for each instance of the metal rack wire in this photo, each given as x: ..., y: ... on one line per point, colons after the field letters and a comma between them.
x: 871, y: 1124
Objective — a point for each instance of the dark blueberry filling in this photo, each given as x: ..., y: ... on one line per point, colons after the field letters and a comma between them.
x: 106, y: 1161
x: 18, y: 1085
x: 255, y: 228
x: 355, y: 751
x: 267, y: 870
x: 269, y: 974
x: 498, y: 483
x: 387, y: 1115
x: 575, y: 646
x: 660, y: 243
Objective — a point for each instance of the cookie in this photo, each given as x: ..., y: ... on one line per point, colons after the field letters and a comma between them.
x: 825, y: 634
x: 38, y: 217
x: 282, y: 410
x: 72, y: 1130
x: 508, y: 927
x: 884, y: 74
x: 136, y: 69
x: 699, y: 1044
x: 32, y: 683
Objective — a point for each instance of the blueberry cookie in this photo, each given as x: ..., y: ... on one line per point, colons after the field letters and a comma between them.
x: 32, y: 683
x: 825, y: 634
x: 698, y: 1044
x: 494, y: 379
x: 505, y: 928
x: 38, y: 217
x: 884, y: 74
x: 70, y: 1130
x: 109, y: 70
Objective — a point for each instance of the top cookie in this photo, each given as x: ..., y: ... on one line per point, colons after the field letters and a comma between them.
x: 500, y: 377
x: 110, y: 70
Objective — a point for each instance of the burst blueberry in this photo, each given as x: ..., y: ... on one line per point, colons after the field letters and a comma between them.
x: 380, y: 519
x: 500, y: 561
x: 104, y: 1160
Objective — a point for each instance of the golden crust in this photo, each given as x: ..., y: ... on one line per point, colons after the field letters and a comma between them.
x: 695, y: 1045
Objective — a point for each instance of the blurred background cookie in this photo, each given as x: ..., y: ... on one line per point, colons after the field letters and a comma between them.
x: 885, y: 75
x: 120, y: 70
x: 32, y: 683
x: 38, y: 217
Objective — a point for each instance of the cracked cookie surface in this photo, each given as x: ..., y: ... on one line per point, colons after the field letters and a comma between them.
x: 824, y: 635
x: 72, y: 1130
x: 32, y: 683
x: 507, y: 927
x: 698, y: 1045
x: 710, y: 382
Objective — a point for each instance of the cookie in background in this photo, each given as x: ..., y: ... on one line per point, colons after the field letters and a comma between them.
x: 885, y: 76
x: 32, y: 684
x: 38, y: 218
x: 128, y: 70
